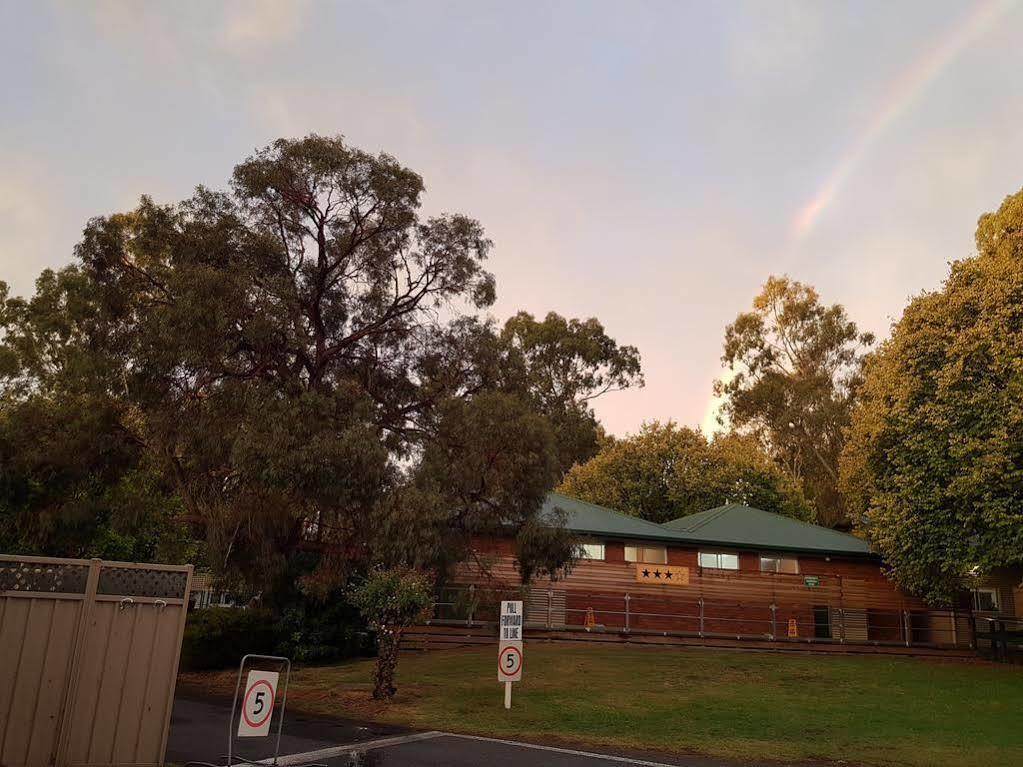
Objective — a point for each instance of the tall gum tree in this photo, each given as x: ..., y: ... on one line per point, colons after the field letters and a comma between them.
x: 304, y: 364
x: 795, y: 365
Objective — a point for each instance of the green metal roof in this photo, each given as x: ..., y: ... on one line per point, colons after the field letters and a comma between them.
x: 729, y: 525
x: 736, y: 525
x: 590, y: 519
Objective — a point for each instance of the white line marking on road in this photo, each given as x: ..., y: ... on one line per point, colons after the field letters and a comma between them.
x: 329, y: 753
x: 555, y: 749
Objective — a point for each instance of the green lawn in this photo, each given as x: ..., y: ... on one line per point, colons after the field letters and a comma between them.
x: 872, y: 709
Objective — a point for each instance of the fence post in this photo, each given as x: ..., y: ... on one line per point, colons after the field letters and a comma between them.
x: 63, y: 742
x: 472, y: 604
x: 774, y: 621
x: 955, y: 628
x: 701, y: 617
x: 973, y: 631
x: 907, y: 627
x: 841, y: 625
x: 628, y: 599
x: 550, y: 608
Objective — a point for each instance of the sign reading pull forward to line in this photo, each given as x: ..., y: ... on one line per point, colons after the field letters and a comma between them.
x: 258, y: 704
x: 509, y: 654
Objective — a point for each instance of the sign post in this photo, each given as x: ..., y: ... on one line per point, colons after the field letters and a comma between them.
x: 258, y: 701
x: 509, y: 655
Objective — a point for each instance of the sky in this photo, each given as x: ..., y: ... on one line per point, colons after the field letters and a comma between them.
x: 646, y: 163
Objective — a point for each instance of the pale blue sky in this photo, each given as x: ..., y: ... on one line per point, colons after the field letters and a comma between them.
x: 645, y: 163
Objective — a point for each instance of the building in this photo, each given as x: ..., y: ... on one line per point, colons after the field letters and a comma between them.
x: 732, y: 571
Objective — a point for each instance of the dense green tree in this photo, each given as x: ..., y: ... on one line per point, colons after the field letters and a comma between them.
x: 667, y: 471
x: 934, y: 462
x: 566, y: 364
x: 795, y: 365
x: 298, y: 366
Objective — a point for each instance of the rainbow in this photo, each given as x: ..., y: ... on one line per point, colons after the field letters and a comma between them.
x: 905, y: 91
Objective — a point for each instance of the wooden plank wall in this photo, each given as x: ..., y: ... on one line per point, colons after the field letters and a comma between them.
x: 734, y: 602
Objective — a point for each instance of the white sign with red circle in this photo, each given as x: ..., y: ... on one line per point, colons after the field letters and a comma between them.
x: 509, y: 662
x: 258, y: 704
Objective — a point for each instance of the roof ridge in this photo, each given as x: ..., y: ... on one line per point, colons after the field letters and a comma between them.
x: 631, y: 517
x: 708, y: 516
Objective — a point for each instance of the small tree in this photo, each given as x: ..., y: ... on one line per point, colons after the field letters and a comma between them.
x: 391, y: 601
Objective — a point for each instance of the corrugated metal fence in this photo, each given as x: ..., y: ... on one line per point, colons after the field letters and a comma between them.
x: 88, y: 658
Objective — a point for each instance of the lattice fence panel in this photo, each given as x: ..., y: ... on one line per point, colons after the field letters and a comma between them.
x: 50, y: 578
x: 140, y: 582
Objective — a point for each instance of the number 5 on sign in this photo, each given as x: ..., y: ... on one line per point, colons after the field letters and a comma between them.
x: 258, y: 704
x: 509, y: 663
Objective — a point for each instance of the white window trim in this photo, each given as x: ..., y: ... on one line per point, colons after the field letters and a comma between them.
x: 995, y: 594
x: 646, y: 546
x: 779, y: 556
x: 582, y: 553
x: 701, y: 552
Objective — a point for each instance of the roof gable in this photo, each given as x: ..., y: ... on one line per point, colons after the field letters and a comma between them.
x: 737, y: 525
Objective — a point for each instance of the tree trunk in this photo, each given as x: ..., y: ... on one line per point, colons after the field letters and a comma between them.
x: 387, y: 661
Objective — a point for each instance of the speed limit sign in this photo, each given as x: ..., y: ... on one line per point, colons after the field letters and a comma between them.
x: 258, y: 704
x: 509, y: 662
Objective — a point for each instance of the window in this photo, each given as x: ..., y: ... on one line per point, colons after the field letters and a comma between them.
x: 821, y: 622
x: 653, y: 555
x: 986, y: 600
x: 779, y: 565
x: 719, y: 560
x: 590, y: 551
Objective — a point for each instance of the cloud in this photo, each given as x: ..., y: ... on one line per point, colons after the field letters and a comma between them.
x: 770, y: 38
x: 29, y: 239
x: 263, y: 23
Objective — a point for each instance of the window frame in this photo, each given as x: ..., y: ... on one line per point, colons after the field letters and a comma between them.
x: 644, y: 547
x: 996, y: 598
x: 718, y: 554
x: 583, y: 554
x: 778, y: 558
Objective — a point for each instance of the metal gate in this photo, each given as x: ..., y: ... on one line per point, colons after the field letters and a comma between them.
x: 88, y: 659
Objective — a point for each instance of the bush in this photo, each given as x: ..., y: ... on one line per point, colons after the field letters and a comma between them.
x: 391, y: 601
x: 218, y: 637
x: 316, y: 632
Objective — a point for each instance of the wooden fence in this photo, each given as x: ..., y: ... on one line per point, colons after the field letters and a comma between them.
x: 88, y: 659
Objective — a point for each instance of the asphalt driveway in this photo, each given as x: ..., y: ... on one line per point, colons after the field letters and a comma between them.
x: 199, y: 732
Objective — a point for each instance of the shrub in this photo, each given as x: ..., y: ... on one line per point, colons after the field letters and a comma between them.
x: 391, y: 601
x: 315, y: 632
x: 218, y: 637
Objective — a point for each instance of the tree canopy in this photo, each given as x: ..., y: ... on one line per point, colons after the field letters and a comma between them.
x: 300, y: 364
x: 934, y: 463
x: 795, y: 365
x: 667, y: 471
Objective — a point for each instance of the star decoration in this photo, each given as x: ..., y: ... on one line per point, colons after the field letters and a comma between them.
x: 646, y: 573
x: 657, y: 573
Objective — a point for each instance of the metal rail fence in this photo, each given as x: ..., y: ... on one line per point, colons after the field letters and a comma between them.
x: 627, y: 613
x: 1001, y: 638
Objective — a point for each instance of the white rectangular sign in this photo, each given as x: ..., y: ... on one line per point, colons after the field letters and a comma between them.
x: 509, y: 662
x: 511, y: 622
x: 258, y: 704
x: 509, y: 654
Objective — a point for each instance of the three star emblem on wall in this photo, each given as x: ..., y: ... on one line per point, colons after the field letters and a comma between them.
x: 667, y: 574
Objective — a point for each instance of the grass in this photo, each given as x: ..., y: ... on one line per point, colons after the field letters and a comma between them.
x: 875, y: 710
